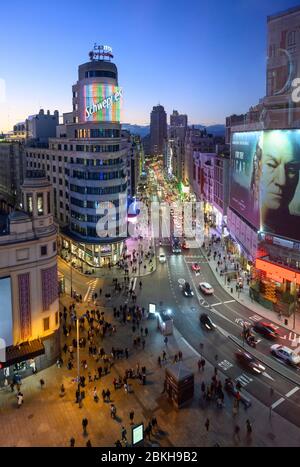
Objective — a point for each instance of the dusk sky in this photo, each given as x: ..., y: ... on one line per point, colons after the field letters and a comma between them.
x: 203, y: 58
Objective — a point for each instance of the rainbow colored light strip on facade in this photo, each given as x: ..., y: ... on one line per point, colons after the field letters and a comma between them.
x: 102, y: 102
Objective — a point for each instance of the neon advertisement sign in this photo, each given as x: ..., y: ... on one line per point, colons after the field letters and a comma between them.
x: 102, y: 102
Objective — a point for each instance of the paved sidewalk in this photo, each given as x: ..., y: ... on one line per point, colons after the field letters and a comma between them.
x: 243, y: 296
x: 46, y: 419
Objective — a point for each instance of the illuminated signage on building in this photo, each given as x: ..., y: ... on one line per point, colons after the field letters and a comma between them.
x: 102, y: 102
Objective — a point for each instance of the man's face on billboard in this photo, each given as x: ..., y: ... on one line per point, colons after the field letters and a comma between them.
x: 280, y: 172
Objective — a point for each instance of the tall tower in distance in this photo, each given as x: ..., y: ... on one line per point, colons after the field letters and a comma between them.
x: 158, y: 130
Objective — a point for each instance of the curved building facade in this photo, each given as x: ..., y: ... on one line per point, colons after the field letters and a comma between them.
x: 86, y: 163
x: 29, y: 308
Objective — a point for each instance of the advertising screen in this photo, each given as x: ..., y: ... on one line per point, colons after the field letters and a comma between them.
x: 6, y: 325
x: 101, y: 103
x: 137, y: 434
x: 265, y: 180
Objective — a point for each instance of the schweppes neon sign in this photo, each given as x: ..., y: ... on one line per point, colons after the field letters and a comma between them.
x: 103, y: 104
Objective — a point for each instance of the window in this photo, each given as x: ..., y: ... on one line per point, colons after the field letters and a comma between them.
x: 48, y: 203
x: 54, y: 246
x: 40, y: 204
x: 291, y: 38
x: 46, y: 324
x: 54, y: 179
x: 29, y: 203
x: 43, y: 250
x: 60, y: 193
x: 56, y: 318
x: 59, y: 158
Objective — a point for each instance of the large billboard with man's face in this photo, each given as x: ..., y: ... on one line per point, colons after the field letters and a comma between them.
x: 265, y: 180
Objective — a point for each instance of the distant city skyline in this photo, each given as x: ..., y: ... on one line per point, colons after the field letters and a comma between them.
x: 184, y: 57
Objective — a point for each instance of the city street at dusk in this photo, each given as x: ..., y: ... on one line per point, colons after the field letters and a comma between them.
x: 150, y: 229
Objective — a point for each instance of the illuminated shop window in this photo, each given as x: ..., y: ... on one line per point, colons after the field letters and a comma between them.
x: 29, y: 203
x: 46, y: 322
x: 40, y: 204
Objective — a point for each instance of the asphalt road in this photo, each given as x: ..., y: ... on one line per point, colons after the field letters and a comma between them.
x: 165, y: 286
x: 277, y: 387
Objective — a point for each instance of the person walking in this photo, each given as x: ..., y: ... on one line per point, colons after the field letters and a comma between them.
x: 199, y: 365
x: 206, y: 424
x: 159, y: 361
x: 72, y: 442
x: 84, y: 425
x: 108, y: 395
x: 123, y: 433
x: 131, y: 417
x: 248, y: 427
x: 42, y: 383
x: 113, y: 411
x: 202, y: 364
x: 62, y: 391
x: 88, y: 444
x: 237, y: 432
x: 95, y: 395
x: 20, y: 399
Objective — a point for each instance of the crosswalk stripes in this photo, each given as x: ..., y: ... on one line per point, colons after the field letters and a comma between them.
x: 244, y: 379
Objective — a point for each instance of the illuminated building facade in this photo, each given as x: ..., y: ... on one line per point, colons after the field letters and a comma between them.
x: 29, y: 308
x: 87, y: 165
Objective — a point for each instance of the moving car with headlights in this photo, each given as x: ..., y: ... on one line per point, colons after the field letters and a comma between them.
x: 196, y: 267
x: 187, y: 291
x: 249, y: 362
x: 206, y: 288
x: 266, y: 329
x: 162, y: 258
x: 207, y: 322
x: 286, y: 354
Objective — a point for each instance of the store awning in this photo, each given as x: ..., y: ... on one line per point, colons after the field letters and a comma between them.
x: 23, y: 352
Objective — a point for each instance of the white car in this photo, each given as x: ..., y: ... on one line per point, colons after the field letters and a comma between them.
x: 206, y: 288
x: 286, y: 354
x: 162, y: 258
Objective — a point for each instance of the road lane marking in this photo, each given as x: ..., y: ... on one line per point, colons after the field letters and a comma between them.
x: 292, y: 391
x: 277, y: 403
x: 225, y: 365
x: 282, y: 399
x: 189, y: 345
x: 216, y: 304
x: 229, y: 301
x: 87, y: 294
x: 267, y: 376
x: 244, y: 379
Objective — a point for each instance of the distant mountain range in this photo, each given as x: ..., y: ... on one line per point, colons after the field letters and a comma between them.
x: 143, y: 130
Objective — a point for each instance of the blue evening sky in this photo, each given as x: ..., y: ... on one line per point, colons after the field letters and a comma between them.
x: 205, y: 58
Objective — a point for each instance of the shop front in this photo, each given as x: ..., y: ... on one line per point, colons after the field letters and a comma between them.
x: 276, y: 287
x: 89, y: 255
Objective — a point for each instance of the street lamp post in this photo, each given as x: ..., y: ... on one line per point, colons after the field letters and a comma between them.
x: 295, y: 303
x: 71, y: 277
x: 78, y: 359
